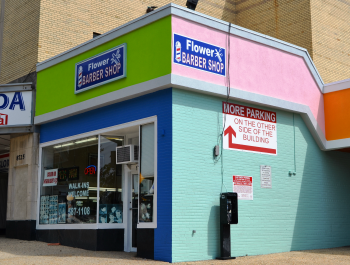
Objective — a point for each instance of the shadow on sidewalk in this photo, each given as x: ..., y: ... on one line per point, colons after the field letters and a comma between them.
x: 35, y: 248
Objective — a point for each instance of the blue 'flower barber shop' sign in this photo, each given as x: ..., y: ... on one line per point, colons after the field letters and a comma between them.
x: 100, y: 69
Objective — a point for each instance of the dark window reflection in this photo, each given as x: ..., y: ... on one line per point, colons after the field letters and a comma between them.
x: 111, y: 193
x: 74, y: 198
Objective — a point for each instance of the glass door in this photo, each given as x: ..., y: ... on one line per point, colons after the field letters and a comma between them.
x: 134, y: 209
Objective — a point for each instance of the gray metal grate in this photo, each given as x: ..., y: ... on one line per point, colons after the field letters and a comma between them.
x: 136, y: 152
x: 123, y: 154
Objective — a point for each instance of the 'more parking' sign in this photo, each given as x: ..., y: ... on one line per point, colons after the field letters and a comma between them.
x: 249, y: 129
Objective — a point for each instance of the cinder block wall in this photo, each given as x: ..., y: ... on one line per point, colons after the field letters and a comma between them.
x: 36, y: 30
x: 306, y: 211
x: 289, y: 21
x: 320, y: 26
x: 331, y: 38
x: 65, y: 24
x: 19, y: 23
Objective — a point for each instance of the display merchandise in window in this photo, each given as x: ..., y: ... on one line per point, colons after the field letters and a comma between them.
x: 146, y: 186
x: 69, y: 182
x: 111, y: 181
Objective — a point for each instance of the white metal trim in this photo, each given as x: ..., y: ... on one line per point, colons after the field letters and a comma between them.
x: 98, y: 179
x: 336, y: 86
x: 154, y: 223
x: 101, y: 131
x: 66, y: 226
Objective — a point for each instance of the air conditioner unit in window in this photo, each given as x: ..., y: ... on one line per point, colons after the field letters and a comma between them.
x: 127, y: 154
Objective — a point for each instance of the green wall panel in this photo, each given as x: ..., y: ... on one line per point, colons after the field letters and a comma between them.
x: 306, y: 211
x: 148, y: 57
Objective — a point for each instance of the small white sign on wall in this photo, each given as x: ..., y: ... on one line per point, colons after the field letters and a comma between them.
x: 244, y: 187
x: 265, y: 177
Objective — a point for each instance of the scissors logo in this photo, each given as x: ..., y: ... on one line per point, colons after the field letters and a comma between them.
x: 115, y: 57
x: 218, y: 54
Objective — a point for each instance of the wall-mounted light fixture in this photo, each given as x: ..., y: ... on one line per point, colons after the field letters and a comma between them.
x: 191, y: 4
x: 150, y: 8
x: 292, y: 173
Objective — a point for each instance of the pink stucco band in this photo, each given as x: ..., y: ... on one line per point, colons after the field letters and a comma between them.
x: 256, y: 68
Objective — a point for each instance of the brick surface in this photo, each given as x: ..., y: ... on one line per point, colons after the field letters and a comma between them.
x: 20, y: 39
x: 306, y: 211
x: 36, y: 30
x: 320, y: 26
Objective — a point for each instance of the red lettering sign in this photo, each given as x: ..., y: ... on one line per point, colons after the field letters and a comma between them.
x: 90, y: 170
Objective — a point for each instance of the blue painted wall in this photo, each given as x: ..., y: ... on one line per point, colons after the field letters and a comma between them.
x: 158, y: 103
x: 306, y: 211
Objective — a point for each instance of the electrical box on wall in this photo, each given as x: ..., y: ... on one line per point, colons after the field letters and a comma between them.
x: 127, y: 154
x: 228, y: 208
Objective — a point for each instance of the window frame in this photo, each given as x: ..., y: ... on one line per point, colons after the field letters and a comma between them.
x: 152, y: 224
x: 97, y: 225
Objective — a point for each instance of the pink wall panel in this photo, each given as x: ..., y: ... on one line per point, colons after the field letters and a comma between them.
x: 256, y: 68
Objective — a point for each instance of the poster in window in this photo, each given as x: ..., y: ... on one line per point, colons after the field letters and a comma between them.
x: 62, y: 174
x: 62, y: 213
x: 146, y: 209
x: 44, y: 209
x: 114, y: 213
x: 53, y: 209
x: 73, y: 173
x: 103, y: 213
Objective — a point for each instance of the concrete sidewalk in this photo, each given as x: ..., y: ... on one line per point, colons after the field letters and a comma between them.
x: 14, y: 251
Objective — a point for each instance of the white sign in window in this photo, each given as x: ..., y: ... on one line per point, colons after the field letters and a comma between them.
x: 50, y: 177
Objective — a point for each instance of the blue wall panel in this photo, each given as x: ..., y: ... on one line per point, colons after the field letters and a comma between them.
x: 158, y: 103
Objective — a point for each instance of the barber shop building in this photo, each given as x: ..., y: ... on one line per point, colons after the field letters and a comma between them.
x: 128, y: 140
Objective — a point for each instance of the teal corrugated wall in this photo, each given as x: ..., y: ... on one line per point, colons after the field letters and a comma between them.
x: 306, y: 211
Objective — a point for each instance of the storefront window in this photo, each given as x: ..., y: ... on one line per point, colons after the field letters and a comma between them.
x: 69, y: 182
x: 146, y: 187
x: 81, y: 182
x: 111, y: 181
